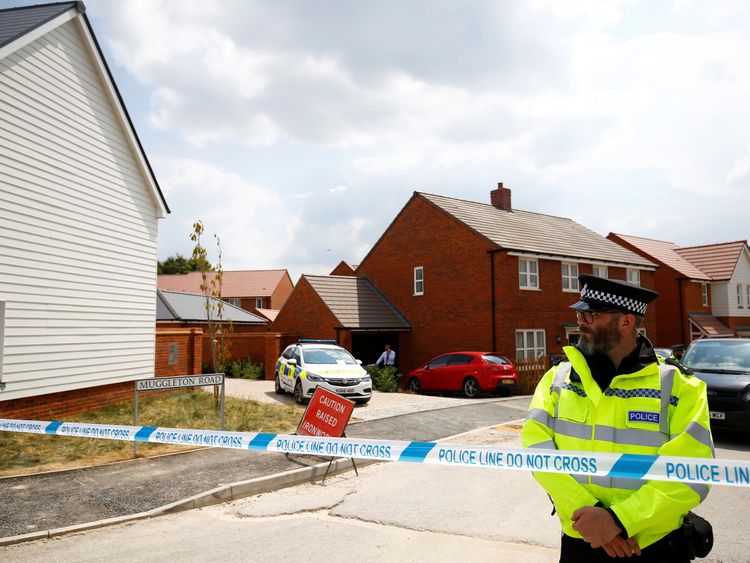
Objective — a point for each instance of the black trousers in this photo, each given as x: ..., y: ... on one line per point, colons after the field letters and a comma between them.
x: 575, y: 550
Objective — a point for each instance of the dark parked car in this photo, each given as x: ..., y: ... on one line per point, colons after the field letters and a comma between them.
x: 724, y: 364
x: 470, y: 372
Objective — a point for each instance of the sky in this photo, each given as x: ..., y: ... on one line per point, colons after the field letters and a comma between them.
x: 296, y: 130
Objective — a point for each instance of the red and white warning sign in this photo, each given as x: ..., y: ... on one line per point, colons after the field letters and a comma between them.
x: 326, y: 415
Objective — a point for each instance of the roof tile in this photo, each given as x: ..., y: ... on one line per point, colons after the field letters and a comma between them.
x: 236, y: 283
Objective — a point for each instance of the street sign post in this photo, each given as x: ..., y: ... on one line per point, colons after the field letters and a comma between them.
x: 160, y: 383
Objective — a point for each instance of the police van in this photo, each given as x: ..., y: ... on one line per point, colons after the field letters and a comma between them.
x: 311, y: 363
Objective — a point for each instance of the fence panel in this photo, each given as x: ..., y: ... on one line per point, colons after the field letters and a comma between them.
x: 530, y: 372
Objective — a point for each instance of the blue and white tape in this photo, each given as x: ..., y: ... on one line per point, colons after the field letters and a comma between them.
x: 592, y: 464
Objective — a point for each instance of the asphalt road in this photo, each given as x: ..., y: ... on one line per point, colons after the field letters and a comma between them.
x: 61, y: 499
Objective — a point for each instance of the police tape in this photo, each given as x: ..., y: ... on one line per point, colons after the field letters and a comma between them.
x: 588, y: 464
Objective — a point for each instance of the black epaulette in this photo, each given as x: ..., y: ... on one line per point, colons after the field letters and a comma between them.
x: 561, y: 359
x: 675, y: 363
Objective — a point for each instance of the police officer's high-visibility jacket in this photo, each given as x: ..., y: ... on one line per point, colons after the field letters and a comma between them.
x: 570, y: 412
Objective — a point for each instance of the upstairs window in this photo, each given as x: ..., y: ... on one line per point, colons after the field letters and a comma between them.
x: 530, y: 344
x: 739, y: 296
x: 704, y: 294
x: 747, y: 287
x: 236, y: 301
x: 569, y: 277
x: 528, y: 274
x: 258, y: 302
x: 600, y: 271
x: 419, y: 280
x: 634, y: 277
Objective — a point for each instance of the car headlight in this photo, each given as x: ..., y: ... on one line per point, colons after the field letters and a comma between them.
x: 313, y: 377
x: 366, y: 378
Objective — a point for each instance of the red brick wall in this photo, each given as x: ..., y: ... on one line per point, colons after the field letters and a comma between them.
x: 190, y: 355
x: 305, y: 315
x: 454, y: 312
x: 343, y: 269
x: 281, y: 293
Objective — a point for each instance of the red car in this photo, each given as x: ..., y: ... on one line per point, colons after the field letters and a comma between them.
x: 470, y: 372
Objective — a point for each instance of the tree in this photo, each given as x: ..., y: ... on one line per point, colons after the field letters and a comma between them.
x: 177, y: 264
x: 211, y: 283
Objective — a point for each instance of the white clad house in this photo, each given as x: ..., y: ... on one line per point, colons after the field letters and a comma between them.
x: 79, y: 207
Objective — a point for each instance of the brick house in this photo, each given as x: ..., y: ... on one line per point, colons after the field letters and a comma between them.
x: 683, y: 288
x: 348, y: 309
x: 704, y: 290
x: 476, y: 276
x: 79, y: 211
x: 262, y: 292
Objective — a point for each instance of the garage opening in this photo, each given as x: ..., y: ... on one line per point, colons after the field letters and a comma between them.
x: 368, y: 346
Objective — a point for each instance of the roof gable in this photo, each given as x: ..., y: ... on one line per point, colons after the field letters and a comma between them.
x: 21, y: 26
x: 667, y: 254
x: 535, y: 233
x: 237, y: 283
x: 356, y: 302
x: 716, y: 260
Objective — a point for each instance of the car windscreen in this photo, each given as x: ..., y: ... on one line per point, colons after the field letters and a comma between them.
x: 327, y: 356
x: 717, y: 356
x: 495, y: 359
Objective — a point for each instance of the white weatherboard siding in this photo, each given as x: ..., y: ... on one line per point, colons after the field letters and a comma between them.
x: 78, y: 226
x: 720, y: 298
x: 740, y: 276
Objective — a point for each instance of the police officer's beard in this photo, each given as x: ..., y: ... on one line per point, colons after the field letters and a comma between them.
x: 599, y: 340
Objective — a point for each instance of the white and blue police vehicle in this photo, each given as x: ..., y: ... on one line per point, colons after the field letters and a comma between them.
x: 311, y: 363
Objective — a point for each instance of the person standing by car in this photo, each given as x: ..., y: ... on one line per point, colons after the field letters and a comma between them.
x: 387, y: 358
x: 613, y: 388
x: 677, y: 351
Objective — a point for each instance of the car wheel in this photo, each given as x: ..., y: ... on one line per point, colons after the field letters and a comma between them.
x: 472, y: 388
x: 415, y: 386
x: 299, y: 396
x: 277, y: 386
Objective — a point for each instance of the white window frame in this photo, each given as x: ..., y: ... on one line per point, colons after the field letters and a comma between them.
x: 704, y: 294
x: 418, y: 280
x: 633, y: 276
x: 526, y: 278
x: 600, y: 271
x: 747, y: 290
x: 234, y: 301
x: 739, y: 296
x: 258, y: 302
x: 537, y: 351
x: 569, y: 272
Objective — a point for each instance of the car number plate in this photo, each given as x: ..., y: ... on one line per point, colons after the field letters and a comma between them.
x: 508, y: 381
x: 344, y: 391
x: 717, y: 415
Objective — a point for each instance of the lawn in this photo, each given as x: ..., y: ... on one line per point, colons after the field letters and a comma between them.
x: 34, y: 453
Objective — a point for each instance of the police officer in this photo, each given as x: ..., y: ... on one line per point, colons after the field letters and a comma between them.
x: 613, y: 395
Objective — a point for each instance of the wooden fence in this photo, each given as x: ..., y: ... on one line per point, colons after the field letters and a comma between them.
x: 530, y: 372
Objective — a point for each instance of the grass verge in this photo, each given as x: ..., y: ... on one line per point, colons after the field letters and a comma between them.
x: 36, y: 453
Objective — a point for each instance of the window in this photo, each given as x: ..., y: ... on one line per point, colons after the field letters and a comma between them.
x: 569, y: 277
x: 739, y: 295
x: 440, y: 362
x: 236, y: 301
x: 419, y: 280
x: 174, y: 354
x: 258, y: 302
x: 704, y: 294
x: 530, y: 344
x: 634, y: 277
x: 747, y: 287
x: 600, y: 271
x: 2, y: 340
x: 528, y: 274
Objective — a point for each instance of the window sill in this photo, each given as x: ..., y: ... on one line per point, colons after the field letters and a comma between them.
x: 529, y: 288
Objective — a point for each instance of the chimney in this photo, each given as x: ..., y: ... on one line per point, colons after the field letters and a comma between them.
x: 500, y: 197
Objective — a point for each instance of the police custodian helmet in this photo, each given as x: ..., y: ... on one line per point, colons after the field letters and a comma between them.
x: 602, y: 294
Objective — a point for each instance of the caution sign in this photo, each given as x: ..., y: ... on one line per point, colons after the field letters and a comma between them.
x: 327, y: 415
